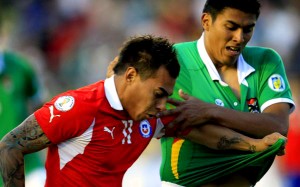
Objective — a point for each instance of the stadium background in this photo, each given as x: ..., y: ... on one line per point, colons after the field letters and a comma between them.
x: 71, y: 42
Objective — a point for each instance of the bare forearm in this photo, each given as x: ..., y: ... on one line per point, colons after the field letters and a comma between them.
x: 12, y: 166
x: 221, y: 138
x: 253, y: 124
x: 194, y: 112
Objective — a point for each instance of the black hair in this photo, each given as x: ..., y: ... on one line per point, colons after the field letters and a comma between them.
x: 147, y: 54
x: 214, y: 7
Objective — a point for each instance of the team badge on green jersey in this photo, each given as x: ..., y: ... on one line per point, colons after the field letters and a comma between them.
x: 276, y: 83
x: 253, y: 105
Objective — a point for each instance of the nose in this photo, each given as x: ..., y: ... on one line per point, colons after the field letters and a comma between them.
x: 239, y: 36
x: 161, y: 104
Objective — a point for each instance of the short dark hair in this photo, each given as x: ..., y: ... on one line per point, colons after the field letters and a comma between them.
x: 147, y: 54
x: 214, y: 7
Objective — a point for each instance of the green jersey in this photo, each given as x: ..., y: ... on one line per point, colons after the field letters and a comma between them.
x: 18, y: 83
x: 263, y: 82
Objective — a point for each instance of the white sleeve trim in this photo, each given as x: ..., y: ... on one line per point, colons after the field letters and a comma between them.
x: 278, y: 100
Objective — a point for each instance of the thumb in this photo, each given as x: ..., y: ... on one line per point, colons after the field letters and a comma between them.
x: 183, y: 95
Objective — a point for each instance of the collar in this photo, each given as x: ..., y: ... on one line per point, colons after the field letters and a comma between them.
x: 243, y: 68
x: 111, y: 93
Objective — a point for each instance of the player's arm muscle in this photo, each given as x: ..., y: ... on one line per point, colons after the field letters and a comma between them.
x: 195, y: 112
x: 222, y: 138
x: 28, y: 137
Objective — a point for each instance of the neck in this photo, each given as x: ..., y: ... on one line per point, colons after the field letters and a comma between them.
x: 120, y: 88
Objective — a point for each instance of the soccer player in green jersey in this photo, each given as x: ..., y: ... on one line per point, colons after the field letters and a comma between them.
x: 18, y: 88
x: 229, y: 85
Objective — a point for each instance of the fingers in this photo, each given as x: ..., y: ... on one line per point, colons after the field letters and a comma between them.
x: 173, y: 111
x: 183, y: 95
x: 174, y: 102
x: 273, y: 138
x: 176, y: 122
x: 184, y: 125
x: 167, y: 113
x: 281, y: 151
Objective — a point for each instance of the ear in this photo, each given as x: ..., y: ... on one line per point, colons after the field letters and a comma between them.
x: 130, y: 74
x: 206, y: 21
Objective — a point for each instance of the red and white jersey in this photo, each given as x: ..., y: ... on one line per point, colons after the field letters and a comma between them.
x: 94, y: 141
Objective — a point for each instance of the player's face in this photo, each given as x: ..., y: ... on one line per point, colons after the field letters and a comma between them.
x: 226, y: 37
x: 150, y: 96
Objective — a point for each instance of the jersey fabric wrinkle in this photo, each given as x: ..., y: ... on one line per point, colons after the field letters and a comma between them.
x: 263, y: 82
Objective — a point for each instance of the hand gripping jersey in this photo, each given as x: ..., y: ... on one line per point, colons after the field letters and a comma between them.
x: 94, y: 140
x: 262, y: 81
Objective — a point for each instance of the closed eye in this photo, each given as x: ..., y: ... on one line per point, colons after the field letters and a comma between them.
x: 162, y: 93
x: 159, y: 95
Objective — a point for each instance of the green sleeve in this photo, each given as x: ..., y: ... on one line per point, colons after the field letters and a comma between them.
x: 273, y: 84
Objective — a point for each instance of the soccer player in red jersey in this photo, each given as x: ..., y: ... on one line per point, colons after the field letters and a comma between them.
x: 95, y: 133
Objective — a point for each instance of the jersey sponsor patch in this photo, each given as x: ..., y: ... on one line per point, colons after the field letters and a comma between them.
x: 64, y: 103
x: 276, y: 83
x: 145, y: 129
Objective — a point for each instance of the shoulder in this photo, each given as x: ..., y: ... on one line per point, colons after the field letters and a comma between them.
x: 91, y: 91
x: 185, y: 46
x: 257, y: 56
x: 15, y: 58
x: 89, y: 96
x: 260, y: 53
x: 186, y: 53
x: 18, y: 62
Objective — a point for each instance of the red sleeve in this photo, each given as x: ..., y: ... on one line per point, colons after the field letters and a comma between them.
x: 65, y: 116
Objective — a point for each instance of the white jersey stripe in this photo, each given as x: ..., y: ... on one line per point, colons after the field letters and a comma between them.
x: 69, y: 149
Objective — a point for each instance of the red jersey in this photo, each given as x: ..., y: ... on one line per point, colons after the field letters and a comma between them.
x: 94, y: 141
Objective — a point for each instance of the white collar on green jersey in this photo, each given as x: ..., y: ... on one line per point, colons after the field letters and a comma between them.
x: 244, y: 69
x: 111, y: 93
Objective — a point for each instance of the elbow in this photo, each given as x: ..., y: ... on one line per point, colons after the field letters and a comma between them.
x: 12, y: 165
x: 283, y: 128
x: 280, y: 125
x: 9, y: 154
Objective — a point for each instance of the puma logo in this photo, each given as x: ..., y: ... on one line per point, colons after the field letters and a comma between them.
x: 106, y: 129
x: 52, y: 114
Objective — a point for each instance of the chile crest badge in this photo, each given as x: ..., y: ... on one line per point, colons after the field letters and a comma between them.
x: 145, y: 129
